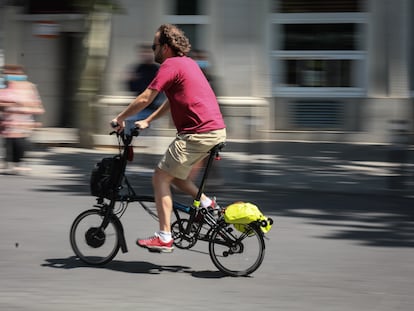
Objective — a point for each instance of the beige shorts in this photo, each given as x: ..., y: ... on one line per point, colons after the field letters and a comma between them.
x: 188, y: 149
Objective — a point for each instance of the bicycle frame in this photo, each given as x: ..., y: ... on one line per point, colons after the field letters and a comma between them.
x: 126, y: 154
x: 96, y: 235
x: 214, y: 154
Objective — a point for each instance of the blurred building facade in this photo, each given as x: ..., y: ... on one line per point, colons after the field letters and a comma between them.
x: 338, y: 70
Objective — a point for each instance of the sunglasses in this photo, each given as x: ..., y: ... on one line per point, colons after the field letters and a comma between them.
x: 154, y: 46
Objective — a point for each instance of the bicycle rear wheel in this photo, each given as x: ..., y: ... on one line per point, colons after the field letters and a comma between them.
x: 237, y: 253
x: 91, y: 243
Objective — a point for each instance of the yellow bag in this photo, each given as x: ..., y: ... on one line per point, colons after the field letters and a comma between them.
x: 242, y: 213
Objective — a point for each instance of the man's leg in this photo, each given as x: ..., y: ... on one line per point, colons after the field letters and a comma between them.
x: 163, y: 198
x: 161, y: 241
x: 188, y: 186
x: 161, y: 182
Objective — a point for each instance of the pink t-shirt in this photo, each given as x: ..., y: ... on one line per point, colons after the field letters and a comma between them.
x: 193, y: 104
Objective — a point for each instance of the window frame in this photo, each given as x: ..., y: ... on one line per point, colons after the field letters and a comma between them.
x: 278, y: 56
x: 197, y: 20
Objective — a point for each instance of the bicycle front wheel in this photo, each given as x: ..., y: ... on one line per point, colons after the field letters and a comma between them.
x: 92, y: 243
x: 237, y: 253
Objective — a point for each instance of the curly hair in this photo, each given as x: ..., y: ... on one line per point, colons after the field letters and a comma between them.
x: 175, y: 38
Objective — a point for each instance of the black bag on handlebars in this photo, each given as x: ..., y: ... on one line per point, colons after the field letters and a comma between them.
x: 104, y: 177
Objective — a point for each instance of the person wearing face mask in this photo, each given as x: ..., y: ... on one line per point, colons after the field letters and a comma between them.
x: 19, y: 103
x: 140, y: 76
x: 202, y: 58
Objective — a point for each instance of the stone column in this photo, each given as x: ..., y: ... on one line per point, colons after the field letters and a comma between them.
x: 388, y: 66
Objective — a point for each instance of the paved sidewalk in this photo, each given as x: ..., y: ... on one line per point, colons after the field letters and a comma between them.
x: 330, y: 167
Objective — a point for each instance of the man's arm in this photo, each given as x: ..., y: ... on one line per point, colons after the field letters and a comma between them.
x: 140, y: 102
x: 155, y: 115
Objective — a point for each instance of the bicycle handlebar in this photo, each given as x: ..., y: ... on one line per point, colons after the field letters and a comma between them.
x: 114, y: 124
x: 129, y: 131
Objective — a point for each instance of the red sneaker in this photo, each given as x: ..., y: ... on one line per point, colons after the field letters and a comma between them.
x: 155, y: 244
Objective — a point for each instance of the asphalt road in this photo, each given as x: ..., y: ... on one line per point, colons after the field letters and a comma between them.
x: 326, y: 251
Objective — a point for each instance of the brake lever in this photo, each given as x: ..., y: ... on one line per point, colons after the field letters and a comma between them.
x: 135, y: 131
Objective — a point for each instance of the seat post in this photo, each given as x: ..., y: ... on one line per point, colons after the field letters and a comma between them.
x: 213, y: 152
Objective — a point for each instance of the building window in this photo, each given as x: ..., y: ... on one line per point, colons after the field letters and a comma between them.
x: 192, y: 17
x: 187, y: 7
x: 50, y: 7
x: 318, y: 73
x: 319, y: 36
x: 318, y: 48
x: 306, y: 6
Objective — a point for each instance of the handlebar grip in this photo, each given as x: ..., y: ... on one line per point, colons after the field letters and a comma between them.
x: 114, y: 124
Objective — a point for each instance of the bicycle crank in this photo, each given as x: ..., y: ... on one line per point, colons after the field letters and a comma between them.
x: 181, y: 239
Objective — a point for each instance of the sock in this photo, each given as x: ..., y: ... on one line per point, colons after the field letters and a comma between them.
x: 165, y: 236
x: 206, y: 203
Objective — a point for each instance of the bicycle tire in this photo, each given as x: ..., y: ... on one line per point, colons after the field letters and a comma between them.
x: 91, y: 245
x: 238, y: 253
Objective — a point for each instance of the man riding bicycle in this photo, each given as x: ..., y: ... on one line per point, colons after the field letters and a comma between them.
x: 196, y: 116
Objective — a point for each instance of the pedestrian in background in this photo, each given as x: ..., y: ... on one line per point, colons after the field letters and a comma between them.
x: 203, y: 59
x: 19, y: 103
x: 140, y: 76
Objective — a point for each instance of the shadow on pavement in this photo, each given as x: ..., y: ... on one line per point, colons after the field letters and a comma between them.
x: 139, y: 267
x: 334, y: 167
x: 368, y: 219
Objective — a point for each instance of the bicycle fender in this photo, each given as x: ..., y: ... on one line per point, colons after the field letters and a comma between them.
x: 121, y: 240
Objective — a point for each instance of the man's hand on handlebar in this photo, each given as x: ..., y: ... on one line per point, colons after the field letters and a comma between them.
x: 131, y: 127
x: 118, y: 126
x: 142, y: 124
